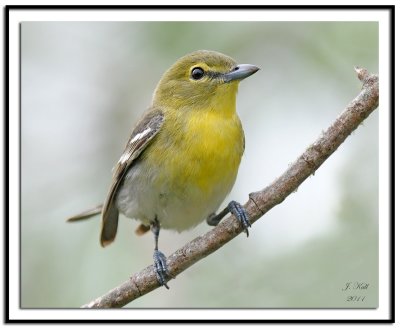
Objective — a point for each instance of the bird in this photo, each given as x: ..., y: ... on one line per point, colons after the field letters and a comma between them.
x: 183, y: 155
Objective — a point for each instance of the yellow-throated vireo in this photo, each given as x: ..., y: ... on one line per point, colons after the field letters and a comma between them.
x: 183, y: 155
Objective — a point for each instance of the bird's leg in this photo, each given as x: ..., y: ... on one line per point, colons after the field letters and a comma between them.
x: 160, y: 261
x: 235, y: 209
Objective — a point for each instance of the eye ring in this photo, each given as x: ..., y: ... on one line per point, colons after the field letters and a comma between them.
x: 197, y: 73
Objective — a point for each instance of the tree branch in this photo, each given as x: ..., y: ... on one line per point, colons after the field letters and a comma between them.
x: 259, y: 202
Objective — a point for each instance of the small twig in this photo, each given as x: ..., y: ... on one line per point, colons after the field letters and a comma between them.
x: 259, y: 202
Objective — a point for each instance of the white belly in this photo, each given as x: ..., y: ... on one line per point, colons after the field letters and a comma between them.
x: 175, y: 208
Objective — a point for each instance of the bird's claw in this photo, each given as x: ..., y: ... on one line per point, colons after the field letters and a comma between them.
x: 160, y: 267
x: 240, y: 213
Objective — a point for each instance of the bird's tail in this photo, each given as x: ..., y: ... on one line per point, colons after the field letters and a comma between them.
x: 86, y: 214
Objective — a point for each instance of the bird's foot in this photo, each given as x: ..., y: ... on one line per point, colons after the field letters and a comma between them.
x: 237, y: 210
x: 160, y: 267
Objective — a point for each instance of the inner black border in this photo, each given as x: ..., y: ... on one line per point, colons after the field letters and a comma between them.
x: 391, y: 11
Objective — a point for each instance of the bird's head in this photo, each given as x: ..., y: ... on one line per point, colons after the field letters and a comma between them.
x: 201, y: 79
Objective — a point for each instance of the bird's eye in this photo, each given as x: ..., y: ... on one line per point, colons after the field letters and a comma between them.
x: 197, y: 73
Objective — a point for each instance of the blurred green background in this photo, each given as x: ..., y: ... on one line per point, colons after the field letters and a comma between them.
x: 83, y: 87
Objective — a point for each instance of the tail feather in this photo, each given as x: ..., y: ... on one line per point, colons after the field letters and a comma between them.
x: 142, y: 229
x: 86, y: 214
x: 109, y: 225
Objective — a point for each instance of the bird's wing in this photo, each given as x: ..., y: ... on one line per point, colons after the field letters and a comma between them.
x: 142, y: 134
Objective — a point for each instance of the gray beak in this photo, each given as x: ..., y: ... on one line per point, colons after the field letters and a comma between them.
x: 240, y: 72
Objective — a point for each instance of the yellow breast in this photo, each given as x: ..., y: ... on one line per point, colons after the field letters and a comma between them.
x: 216, y: 147
x: 192, y: 163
